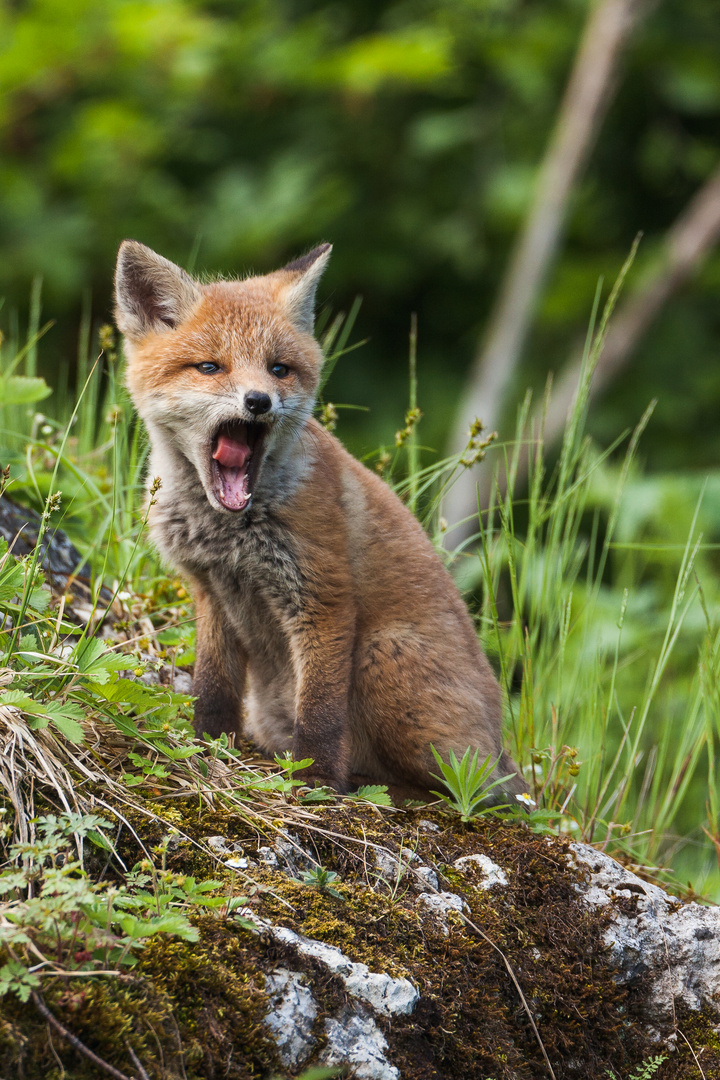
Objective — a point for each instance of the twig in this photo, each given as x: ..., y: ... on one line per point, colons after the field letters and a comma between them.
x: 588, y: 93
x: 517, y: 986
x: 136, y: 1061
x: 508, y: 966
x: 700, y: 1069
x: 688, y: 241
x: 75, y: 1042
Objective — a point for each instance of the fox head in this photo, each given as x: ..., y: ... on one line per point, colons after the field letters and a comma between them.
x: 224, y: 374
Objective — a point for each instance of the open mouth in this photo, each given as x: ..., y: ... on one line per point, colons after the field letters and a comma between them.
x: 236, y: 453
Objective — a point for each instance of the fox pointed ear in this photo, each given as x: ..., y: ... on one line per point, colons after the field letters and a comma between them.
x: 302, y: 276
x: 151, y: 293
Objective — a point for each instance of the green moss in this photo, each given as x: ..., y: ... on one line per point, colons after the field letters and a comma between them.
x: 188, y: 1009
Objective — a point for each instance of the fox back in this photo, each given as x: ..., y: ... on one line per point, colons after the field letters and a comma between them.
x: 326, y: 623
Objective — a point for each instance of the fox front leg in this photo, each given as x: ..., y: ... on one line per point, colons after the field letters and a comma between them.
x: 220, y: 667
x: 323, y: 647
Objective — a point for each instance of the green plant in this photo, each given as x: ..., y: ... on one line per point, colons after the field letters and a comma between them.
x: 372, y: 793
x: 323, y: 880
x: 644, y: 1071
x: 600, y: 625
x: 54, y: 919
x: 468, y: 782
x: 595, y: 595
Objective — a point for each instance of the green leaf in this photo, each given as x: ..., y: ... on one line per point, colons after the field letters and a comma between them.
x: 94, y: 659
x: 130, y: 780
x: 176, y: 753
x: 99, y: 840
x: 22, y: 390
x: 38, y: 723
x: 373, y: 793
x: 137, y: 929
x: 19, y: 700
x: 469, y: 784
x: 318, y: 795
x: 125, y: 725
x: 15, y: 977
x: 39, y: 598
x: 64, y: 715
x: 12, y: 578
x: 68, y: 727
x: 10, y: 880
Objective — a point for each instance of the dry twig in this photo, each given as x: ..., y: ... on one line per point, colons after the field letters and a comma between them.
x: 76, y: 1043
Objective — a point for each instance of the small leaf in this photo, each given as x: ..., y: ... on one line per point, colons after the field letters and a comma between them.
x: 99, y: 840
x: 373, y: 793
x: 130, y: 780
x: 23, y: 390
x: 125, y: 725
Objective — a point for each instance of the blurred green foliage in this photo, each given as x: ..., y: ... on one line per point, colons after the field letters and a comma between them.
x: 231, y: 134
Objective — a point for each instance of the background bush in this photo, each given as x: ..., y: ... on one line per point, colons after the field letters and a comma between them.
x: 232, y: 134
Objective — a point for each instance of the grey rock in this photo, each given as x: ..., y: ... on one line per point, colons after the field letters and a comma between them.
x: 425, y: 877
x: 485, y: 872
x: 267, y: 856
x: 393, y: 867
x: 230, y: 851
x: 674, y: 946
x: 440, y: 905
x: 291, y: 856
x: 355, y: 1039
x: 292, y: 1016
x: 386, y: 995
x: 181, y: 682
x: 428, y: 826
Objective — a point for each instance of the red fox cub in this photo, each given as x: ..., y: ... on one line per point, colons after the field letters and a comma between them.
x: 325, y: 620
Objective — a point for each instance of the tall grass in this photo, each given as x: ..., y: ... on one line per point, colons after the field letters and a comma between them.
x: 594, y: 589
x: 597, y: 600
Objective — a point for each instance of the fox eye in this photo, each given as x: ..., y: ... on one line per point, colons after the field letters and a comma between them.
x: 280, y: 371
x: 207, y: 367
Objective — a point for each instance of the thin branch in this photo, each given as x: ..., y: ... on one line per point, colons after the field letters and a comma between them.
x: 74, y: 1041
x: 687, y: 243
x: 136, y: 1061
x: 588, y: 93
x: 515, y: 983
x: 700, y: 1069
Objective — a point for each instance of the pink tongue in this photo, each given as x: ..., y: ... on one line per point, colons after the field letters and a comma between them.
x: 231, y: 453
x: 231, y: 476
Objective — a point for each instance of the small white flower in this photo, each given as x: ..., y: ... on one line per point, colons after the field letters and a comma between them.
x: 525, y: 799
x: 236, y: 863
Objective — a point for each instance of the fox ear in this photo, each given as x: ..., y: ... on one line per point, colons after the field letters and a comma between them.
x: 302, y: 276
x: 151, y: 293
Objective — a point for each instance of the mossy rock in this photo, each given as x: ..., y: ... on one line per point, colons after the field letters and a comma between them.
x: 199, y: 1010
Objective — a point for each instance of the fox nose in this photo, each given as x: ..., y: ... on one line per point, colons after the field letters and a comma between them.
x: 257, y: 402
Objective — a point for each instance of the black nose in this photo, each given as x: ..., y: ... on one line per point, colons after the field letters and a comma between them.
x: 257, y: 402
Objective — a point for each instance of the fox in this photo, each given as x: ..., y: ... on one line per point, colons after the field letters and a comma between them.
x: 327, y: 624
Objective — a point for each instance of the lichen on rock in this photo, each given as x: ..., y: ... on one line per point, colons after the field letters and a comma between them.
x: 672, y: 948
x: 291, y: 1016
